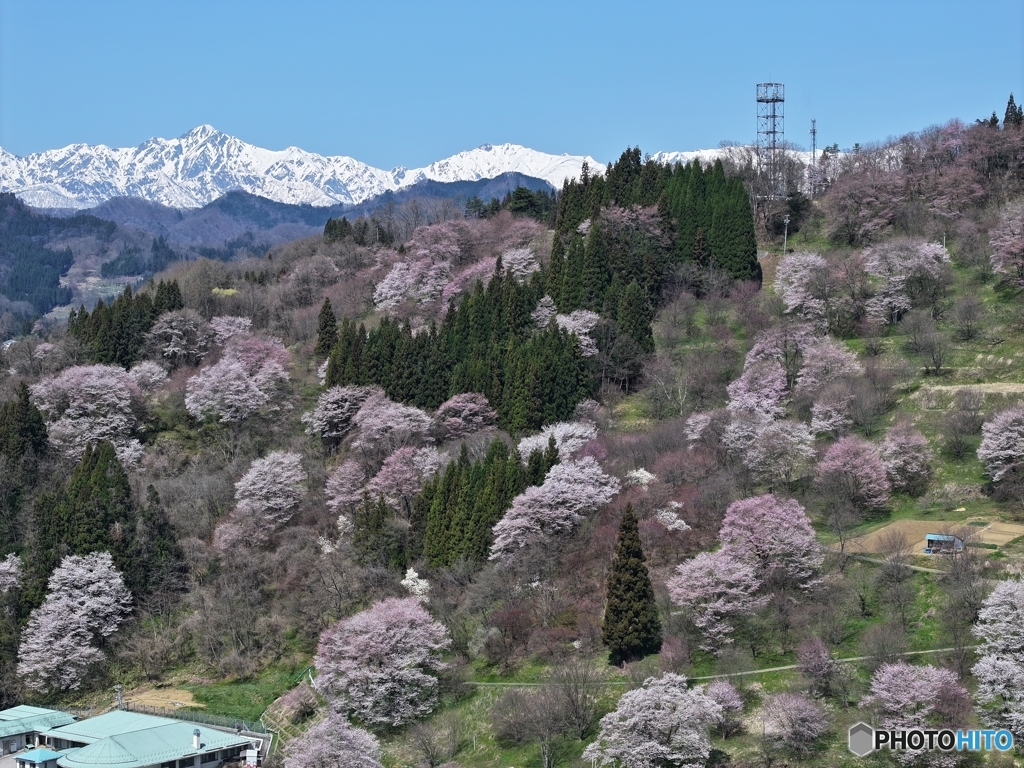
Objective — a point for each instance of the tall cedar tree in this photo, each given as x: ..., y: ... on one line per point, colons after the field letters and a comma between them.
x: 326, y: 330
x: 631, y: 628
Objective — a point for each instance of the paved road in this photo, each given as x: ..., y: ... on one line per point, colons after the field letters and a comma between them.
x: 847, y: 660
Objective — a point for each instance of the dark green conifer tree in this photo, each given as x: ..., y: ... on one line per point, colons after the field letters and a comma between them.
x: 631, y: 628
x: 634, y: 317
x: 326, y: 330
x: 22, y: 428
x: 1014, y: 115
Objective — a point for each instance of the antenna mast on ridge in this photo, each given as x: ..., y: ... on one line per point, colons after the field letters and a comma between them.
x: 771, y: 137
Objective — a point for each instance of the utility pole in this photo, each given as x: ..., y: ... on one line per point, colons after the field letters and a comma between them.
x: 785, y: 236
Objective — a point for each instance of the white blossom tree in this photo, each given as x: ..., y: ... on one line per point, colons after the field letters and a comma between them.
x: 86, y: 602
x: 331, y: 419
x: 243, y: 382
x: 266, y: 497
x: 378, y: 664
x: 1000, y: 668
x: 333, y: 743
x: 571, y: 490
x: 662, y: 723
x: 1002, y: 442
x: 569, y: 436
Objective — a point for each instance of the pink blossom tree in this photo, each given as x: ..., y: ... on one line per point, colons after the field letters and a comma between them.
x: 1000, y: 668
x: 1007, y: 239
x: 333, y: 743
x: 377, y: 664
x: 225, y: 327
x: 661, y: 723
x: 793, y: 279
x: 90, y: 403
x: 385, y: 426
x: 243, y: 382
x: 824, y: 362
x: 760, y: 388
x: 266, y: 497
x: 907, y: 459
x: 792, y: 721
x: 466, y: 279
x: 715, y: 590
x: 1002, y: 442
x: 774, y: 536
x: 905, y: 697
x: 86, y: 602
x: 785, y: 344
x: 831, y: 411
x: 345, y: 486
x: 725, y: 695
x: 571, y: 490
x: 464, y: 415
x: 403, y: 474
x: 852, y: 472
x: 903, y: 266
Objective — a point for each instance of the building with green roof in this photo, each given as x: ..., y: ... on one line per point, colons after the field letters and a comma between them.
x: 19, y: 725
x: 121, y: 739
x: 38, y: 758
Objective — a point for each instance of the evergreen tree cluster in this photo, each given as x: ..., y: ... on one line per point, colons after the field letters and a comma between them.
x: 484, y: 344
x: 454, y: 514
x: 363, y: 231
x: 114, y: 334
x: 22, y: 427
x: 1014, y: 115
x: 539, y: 204
x: 130, y: 261
x: 30, y: 271
x: 708, y: 214
x: 96, y: 512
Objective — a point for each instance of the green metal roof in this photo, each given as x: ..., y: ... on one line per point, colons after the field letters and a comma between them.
x: 24, y: 719
x: 133, y: 740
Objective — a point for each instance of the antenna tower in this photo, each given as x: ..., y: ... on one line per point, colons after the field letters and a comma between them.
x: 771, y: 137
x: 814, y: 153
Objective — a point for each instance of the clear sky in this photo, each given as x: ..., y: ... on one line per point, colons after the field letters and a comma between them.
x: 407, y: 83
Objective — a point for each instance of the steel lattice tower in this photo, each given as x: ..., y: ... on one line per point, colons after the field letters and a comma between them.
x: 771, y: 137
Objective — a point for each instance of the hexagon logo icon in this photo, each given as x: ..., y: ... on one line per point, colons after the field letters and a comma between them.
x: 862, y: 739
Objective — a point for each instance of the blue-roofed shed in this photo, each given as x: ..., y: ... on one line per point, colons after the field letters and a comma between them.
x: 38, y: 758
x: 942, y: 543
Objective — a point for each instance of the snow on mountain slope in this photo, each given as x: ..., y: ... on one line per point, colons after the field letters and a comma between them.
x: 203, y: 164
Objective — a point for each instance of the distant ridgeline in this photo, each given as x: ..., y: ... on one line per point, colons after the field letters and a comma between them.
x: 616, y: 238
x: 29, y: 271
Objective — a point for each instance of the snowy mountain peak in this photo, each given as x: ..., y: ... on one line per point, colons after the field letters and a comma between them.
x: 202, y: 164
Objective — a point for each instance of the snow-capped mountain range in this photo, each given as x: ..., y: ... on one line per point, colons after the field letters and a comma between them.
x: 203, y: 164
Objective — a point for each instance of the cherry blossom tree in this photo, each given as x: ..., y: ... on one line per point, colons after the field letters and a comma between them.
x: 86, y: 602
x: 403, y: 474
x: 377, y: 664
x: 466, y: 279
x: 243, y: 382
x: 422, y: 280
x: 266, y: 497
x: 907, y: 459
x: 1007, y: 239
x: 544, y: 313
x: 331, y: 419
x: 780, y: 453
x: 147, y: 375
x: 906, y: 697
x: 519, y: 263
x: 180, y: 337
x: 1000, y: 668
x: 333, y: 743
x: 907, y: 268
x: 570, y: 436
x: 831, y: 411
x: 792, y: 721
x: 385, y: 426
x: 852, y: 472
x: 661, y: 723
x: 571, y: 490
x: 345, y: 486
x: 775, y: 537
x: 581, y: 322
x: 825, y: 361
x: 783, y: 343
x: 715, y: 589
x: 1002, y: 442
x: 10, y: 573
x: 793, y: 278
x: 815, y: 662
x: 760, y: 388
x: 464, y: 415
x: 225, y: 327
x: 90, y: 403
x: 725, y: 695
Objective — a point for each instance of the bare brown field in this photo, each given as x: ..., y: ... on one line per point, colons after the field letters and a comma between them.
x: 916, y: 530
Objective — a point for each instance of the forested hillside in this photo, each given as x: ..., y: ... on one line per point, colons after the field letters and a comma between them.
x: 509, y: 488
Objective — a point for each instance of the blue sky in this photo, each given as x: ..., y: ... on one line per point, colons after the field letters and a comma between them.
x: 406, y: 83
